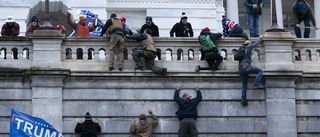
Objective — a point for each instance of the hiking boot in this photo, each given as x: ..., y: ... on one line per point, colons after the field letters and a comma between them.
x: 111, y: 68
x: 164, y: 71
x: 214, y: 68
x: 120, y: 68
x: 139, y: 68
x: 244, y: 35
x: 255, y: 87
x: 244, y: 103
x: 197, y: 68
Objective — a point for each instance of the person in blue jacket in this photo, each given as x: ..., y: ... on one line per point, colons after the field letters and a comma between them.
x: 187, y: 112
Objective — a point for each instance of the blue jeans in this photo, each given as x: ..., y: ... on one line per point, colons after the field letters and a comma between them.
x: 253, y: 22
x: 297, y: 30
x: 236, y: 31
x: 244, y: 71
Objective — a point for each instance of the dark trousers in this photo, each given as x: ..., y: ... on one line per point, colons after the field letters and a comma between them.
x: 213, y: 60
x: 236, y: 32
x: 297, y: 30
x: 188, y: 128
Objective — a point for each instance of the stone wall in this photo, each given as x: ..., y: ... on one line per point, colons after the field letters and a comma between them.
x: 62, y: 90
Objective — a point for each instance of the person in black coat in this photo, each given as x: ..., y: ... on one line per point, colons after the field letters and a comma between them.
x: 212, y: 57
x: 150, y: 25
x: 88, y: 128
x: 182, y: 28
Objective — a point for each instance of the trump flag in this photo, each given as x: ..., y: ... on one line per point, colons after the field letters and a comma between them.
x: 23, y: 125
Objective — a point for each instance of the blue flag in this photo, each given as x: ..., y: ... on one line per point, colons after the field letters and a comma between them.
x: 23, y: 125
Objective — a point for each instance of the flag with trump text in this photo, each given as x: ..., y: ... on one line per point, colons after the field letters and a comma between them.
x: 23, y: 125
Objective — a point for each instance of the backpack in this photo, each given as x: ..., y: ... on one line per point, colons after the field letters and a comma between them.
x: 241, y: 53
x: 206, y: 43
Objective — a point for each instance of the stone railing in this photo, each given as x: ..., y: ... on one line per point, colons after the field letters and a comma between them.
x: 78, y: 53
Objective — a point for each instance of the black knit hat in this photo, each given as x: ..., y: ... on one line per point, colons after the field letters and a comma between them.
x: 88, y: 116
x: 34, y: 19
x: 184, y: 16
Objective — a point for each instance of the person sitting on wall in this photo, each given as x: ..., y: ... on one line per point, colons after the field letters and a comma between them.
x: 182, y: 28
x: 232, y: 29
x: 150, y: 25
x: 143, y: 128
x: 88, y: 128
x: 33, y: 26
x: 62, y: 29
x: 10, y: 28
x: 147, y: 51
x: 80, y: 28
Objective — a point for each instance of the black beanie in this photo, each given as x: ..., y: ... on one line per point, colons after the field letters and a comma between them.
x: 34, y: 18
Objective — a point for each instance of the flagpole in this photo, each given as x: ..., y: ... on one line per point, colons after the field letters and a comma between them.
x: 47, y: 25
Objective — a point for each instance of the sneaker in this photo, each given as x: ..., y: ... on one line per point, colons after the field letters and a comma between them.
x: 164, y: 71
x: 255, y: 87
x: 120, y: 68
x: 245, y: 36
x: 197, y: 68
x: 244, y: 103
x: 111, y: 68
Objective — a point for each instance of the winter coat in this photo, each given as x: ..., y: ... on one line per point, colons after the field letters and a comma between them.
x: 187, y: 108
x: 146, y: 41
x: 214, y: 37
x: 8, y: 29
x: 31, y: 29
x: 248, y: 4
x: 144, y: 131
x: 80, y: 29
x: 180, y: 30
x: 88, y: 129
x: 114, y: 25
x: 298, y: 14
x: 247, y: 58
x: 154, y: 28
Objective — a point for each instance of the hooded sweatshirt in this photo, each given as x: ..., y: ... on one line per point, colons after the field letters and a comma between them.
x: 143, y: 129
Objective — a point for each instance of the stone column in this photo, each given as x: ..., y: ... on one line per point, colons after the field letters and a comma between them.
x: 279, y: 13
x: 47, y: 48
x: 278, y: 50
x: 232, y: 10
x: 47, y: 95
x: 317, y: 16
x: 280, y: 103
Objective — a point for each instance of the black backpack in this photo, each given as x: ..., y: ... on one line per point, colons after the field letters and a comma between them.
x: 241, y: 53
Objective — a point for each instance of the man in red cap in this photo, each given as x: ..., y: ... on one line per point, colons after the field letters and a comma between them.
x: 126, y: 29
x: 88, y: 128
x: 211, y: 55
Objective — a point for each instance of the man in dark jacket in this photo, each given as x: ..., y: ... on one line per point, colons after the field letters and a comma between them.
x: 88, y: 128
x: 245, y: 69
x: 10, y: 28
x: 187, y: 112
x: 301, y: 11
x: 182, y: 28
x: 212, y: 57
x: 254, y: 8
x: 115, y: 28
x: 150, y: 25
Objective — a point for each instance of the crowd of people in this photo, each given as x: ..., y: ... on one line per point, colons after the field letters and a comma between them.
x: 187, y: 114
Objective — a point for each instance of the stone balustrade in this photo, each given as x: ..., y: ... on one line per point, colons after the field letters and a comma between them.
x: 94, y: 50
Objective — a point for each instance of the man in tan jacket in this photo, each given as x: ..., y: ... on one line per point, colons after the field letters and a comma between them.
x: 147, y: 51
x: 143, y: 128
